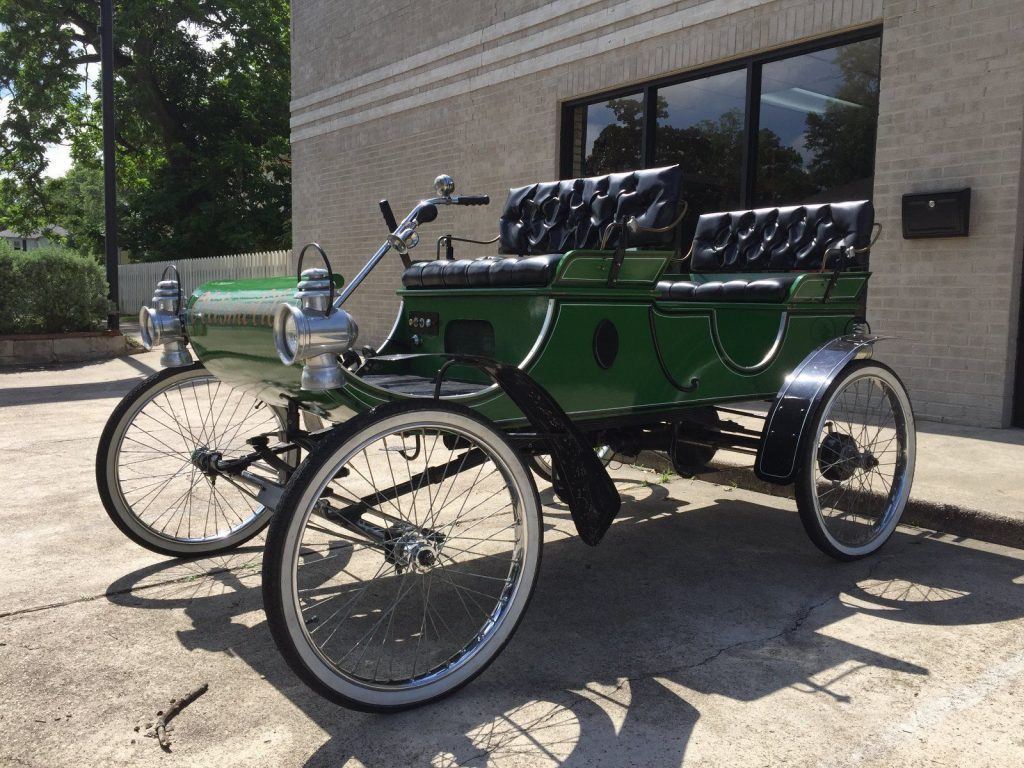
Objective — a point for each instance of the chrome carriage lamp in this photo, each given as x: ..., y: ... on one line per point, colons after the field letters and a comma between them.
x: 315, y: 332
x: 163, y: 323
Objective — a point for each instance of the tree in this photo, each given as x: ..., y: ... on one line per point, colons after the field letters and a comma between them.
x: 202, y: 104
x: 617, y: 147
x: 76, y: 202
x: 842, y: 139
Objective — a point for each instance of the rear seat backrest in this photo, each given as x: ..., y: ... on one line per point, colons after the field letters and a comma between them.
x: 560, y: 216
x: 779, y: 239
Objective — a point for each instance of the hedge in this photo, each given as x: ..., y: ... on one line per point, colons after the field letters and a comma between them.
x: 50, y: 290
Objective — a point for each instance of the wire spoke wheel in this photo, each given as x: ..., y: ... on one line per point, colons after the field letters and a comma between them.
x: 858, y: 462
x: 403, y: 556
x: 150, y: 485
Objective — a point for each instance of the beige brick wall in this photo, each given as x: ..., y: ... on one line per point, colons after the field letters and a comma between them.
x: 951, y: 110
x: 476, y: 93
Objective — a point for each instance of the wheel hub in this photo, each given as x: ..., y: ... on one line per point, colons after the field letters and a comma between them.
x: 840, y: 457
x: 415, y: 552
x: 205, y: 459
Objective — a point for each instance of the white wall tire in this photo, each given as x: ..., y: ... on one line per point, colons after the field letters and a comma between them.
x: 383, y: 646
x: 856, y: 463
x: 143, y: 463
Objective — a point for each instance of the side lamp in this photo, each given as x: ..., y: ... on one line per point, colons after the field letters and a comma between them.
x: 316, y: 332
x: 163, y: 323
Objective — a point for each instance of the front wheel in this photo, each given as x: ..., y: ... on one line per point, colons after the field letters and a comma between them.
x: 402, y: 556
x: 857, y: 462
x: 145, y: 473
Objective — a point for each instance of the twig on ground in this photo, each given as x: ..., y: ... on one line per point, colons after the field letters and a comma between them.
x: 176, y: 706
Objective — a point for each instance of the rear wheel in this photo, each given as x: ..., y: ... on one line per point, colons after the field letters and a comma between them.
x: 402, y: 557
x: 149, y: 485
x: 857, y: 462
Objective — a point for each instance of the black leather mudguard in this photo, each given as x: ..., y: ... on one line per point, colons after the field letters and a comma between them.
x: 589, y: 492
x: 785, y: 426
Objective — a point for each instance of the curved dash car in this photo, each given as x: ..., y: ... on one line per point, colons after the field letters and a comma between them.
x: 405, y: 524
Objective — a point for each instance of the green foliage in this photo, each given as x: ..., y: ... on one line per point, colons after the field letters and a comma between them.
x: 8, y: 288
x: 50, y: 290
x: 76, y: 202
x: 202, y: 90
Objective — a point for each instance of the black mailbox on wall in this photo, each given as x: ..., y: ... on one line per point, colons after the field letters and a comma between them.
x: 937, y: 214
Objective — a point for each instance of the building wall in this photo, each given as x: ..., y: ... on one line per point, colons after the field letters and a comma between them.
x: 950, y: 116
x: 476, y: 89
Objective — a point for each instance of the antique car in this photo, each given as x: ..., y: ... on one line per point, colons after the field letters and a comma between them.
x: 405, y: 523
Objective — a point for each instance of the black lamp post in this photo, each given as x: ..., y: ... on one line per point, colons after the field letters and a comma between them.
x: 109, y: 176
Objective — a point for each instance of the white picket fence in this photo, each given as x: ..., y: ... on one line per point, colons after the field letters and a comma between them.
x: 136, y: 281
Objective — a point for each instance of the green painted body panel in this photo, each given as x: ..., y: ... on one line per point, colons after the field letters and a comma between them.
x: 737, y: 351
x: 590, y: 268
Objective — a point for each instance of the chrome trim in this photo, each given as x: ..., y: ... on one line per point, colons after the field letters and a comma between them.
x: 766, y: 361
x: 531, y: 355
x: 394, y: 328
x: 534, y: 351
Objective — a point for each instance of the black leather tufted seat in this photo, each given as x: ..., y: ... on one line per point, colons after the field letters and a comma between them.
x: 539, y: 223
x: 530, y: 271
x: 787, y: 240
x: 773, y: 289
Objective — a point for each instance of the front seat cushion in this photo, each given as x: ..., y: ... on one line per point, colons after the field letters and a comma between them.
x: 511, y: 272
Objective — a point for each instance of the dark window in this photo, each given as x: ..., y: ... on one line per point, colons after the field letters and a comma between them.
x: 779, y: 129
x: 609, y: 135
x: 700, y: 126
x: 818, y: 118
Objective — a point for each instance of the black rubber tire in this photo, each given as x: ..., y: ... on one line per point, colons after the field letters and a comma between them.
x: 539, y: 468
x: 689, y: 460
x: 803, y: 491
x: 276, y: 547
x: 103, y: 486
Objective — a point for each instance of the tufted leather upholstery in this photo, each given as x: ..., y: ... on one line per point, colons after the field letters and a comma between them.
x: 559, y: 216
x: 767, y: 240
x: 541, y: 222
x: 779, y: 239
x: 528, y: 272
x: 773, y: 289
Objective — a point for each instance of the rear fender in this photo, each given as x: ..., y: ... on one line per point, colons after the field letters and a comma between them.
x: 785, y: 426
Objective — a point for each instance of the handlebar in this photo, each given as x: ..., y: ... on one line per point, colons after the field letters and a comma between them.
x: 404, y: 236
x: 472, y: 200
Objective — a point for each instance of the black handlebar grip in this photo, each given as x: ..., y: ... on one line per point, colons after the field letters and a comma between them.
x: 389, y: 216
x: 427, y: 214
x: 474, y: 199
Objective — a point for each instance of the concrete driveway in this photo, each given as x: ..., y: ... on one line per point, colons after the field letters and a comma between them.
x: 705, y: 630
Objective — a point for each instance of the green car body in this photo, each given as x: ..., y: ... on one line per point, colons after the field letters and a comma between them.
x: 659, y: 355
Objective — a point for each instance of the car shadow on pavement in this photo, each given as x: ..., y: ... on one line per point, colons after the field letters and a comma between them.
x: 97, y: 390
x: 676, y: 603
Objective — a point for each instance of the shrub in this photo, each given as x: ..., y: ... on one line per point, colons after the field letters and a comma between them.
x: 8, y: 287
x: 50, y: 290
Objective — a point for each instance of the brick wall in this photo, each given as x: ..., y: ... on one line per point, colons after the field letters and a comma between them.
x: 950, y: 116
x: 476, y: 93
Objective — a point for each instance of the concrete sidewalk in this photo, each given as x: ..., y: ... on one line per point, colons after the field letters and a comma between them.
x: 968, y: 481
x: 705, y: 631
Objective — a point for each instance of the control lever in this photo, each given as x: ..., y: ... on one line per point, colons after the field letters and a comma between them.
x: 389, y: 216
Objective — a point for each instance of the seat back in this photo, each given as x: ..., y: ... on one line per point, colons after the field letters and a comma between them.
x: 780, y: 239
x: 560, y: 216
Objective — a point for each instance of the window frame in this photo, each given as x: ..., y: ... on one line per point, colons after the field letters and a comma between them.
x: 752, y: 64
